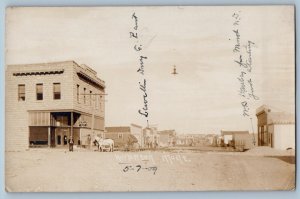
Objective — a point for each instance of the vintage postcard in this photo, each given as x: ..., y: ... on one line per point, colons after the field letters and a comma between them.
x: 173, y: 98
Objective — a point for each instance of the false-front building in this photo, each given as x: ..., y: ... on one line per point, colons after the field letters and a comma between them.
x: 49, y: 103
x: 275, y: 128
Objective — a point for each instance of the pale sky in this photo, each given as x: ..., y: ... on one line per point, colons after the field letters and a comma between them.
x: 203, y: 97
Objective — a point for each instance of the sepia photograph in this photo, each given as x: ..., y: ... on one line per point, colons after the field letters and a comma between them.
x: 150, y: 98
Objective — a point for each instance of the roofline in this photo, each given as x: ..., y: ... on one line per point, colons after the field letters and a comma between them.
x: 45, y: 63
x: 136, y: 125
x: 86, y: 67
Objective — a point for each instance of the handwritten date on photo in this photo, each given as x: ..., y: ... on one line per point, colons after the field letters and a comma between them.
x: 139, y: 168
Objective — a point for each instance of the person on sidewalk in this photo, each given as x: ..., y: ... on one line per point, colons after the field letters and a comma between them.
x: 71, y: 143
x: 89, y: 139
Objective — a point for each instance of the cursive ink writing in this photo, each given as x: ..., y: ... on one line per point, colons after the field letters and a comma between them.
x: 237, y: 18
x: 247, y: 63
x: 251, y: 94
x: 241, y: 79
x: 237, y: 46
x: 135, y: 21
x: 249, y: 53
x: 245, y: 108
x: 134, y: 34
x: 145, y: 108
x: 141, y: 68
x: 138, y: 168
x: 244, y: 59
x: 138, y: 48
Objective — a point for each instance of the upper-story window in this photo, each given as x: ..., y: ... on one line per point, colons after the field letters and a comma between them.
x: 56, y: 91
x: 21, y: 92
x: 91, y: 93
x: 77, y: 93
x: 39, y: 91
x: 100, y: 103
x: 84, y: 95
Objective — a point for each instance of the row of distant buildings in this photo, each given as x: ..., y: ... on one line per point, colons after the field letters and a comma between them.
x: 133, y: 134
x: 275, y: 129
x: 48, y: 104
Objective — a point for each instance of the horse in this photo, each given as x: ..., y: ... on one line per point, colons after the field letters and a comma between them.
x: 104, y: 144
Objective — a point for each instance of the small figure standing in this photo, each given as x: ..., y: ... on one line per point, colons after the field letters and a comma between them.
x: 71, y: 143
x: 65, y: 140
x: 89, y: 139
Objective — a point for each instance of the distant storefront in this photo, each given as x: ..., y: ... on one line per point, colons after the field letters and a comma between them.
x: 238, y: 139
x: 125, y: 136
x: 151, y: 137
x: 275, y: 128
x: 167, y: 138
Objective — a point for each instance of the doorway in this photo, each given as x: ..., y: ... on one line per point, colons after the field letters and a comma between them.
x: 58, y: 140
x: 52, y: 137
x: 65, y: 140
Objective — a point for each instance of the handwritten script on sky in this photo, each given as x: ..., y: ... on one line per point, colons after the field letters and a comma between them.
x: 244, y: 59
x: 141, y: 69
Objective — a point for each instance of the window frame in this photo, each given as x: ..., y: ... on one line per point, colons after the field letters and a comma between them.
x: 38, y: 95
x: 54, y: 93
x: 84, y: 95
x: 78, y: 87
x: 19, y: 93
x: 91, y: 93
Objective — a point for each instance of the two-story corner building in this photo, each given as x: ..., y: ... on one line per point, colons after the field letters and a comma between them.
x: 275, y: 128
x: 47, y: 104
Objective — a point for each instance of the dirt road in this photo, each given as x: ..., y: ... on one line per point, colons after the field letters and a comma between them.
x: 83, y: 170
